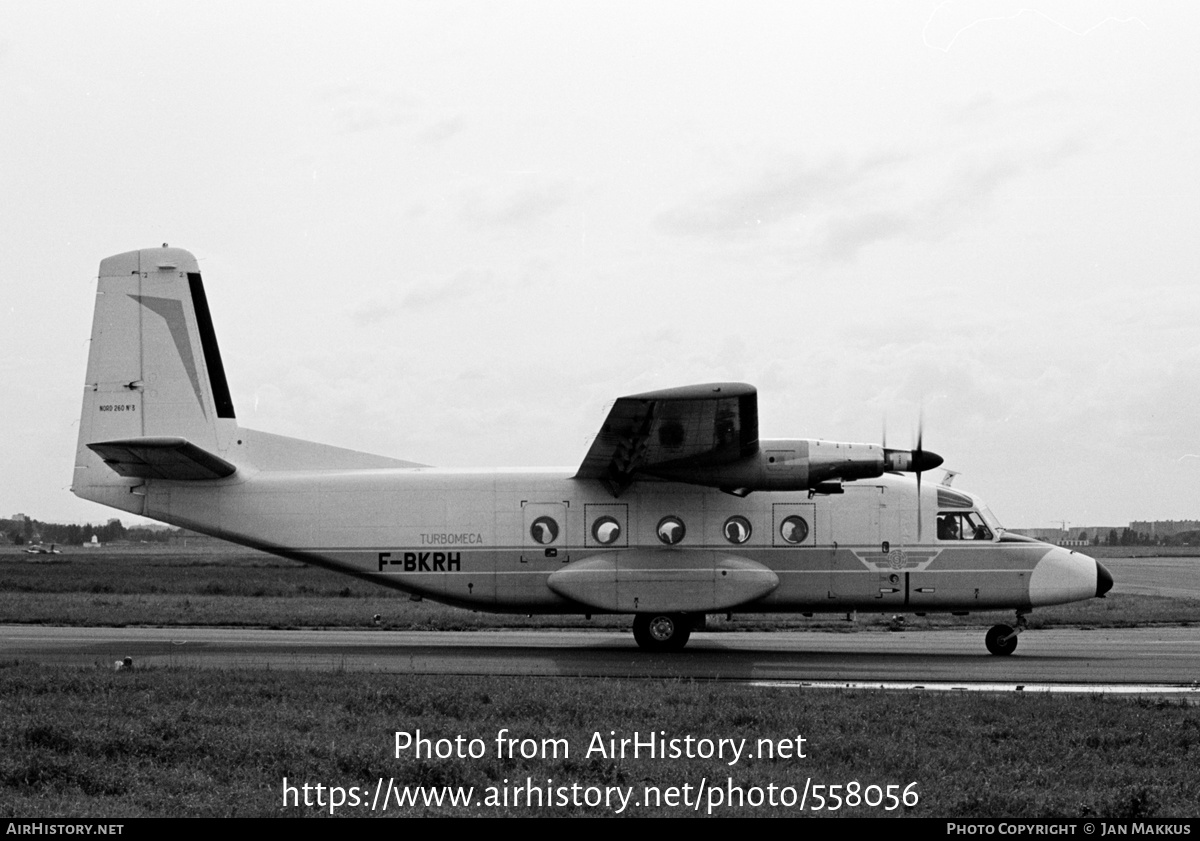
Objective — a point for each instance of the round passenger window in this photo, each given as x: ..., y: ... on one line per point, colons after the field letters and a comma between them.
x: 671, y: 530
x: 737, y: 529
x: 606, y: 530
x: 544, y: 530
x: 793, y: 529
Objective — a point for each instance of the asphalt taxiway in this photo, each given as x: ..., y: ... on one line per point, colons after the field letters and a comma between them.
x: 1164, y: 657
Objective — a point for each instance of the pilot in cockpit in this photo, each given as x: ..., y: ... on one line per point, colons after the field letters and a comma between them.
x: 947, y: 528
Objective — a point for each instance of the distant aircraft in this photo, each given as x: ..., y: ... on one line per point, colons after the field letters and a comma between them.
x: 41, y: 549
x: 678, y: 509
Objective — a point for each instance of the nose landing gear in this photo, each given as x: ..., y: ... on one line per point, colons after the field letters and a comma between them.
x: 1001, y: 640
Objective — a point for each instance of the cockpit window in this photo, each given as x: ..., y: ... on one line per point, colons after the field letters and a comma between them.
x: 955, y: 525
x: 948, y: 498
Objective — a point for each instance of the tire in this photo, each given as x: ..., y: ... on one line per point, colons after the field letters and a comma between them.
x: 995, y: 641
x: 662, y: 631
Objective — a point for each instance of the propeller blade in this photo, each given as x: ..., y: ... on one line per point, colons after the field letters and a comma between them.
x: 918, y: 506
x: 920, y: 460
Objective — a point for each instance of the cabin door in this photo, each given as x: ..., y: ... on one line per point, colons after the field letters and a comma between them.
x: 869, y: 529
x: 897, y: 523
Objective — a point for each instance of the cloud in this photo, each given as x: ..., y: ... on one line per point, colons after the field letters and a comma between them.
x: 979, y: 181
x: 357, y: 109
x: 441, y: 130
x: 465, y: 284
x: 525, y: 199
x: 373, y: 311
x: 963, y: 191
x: 777, y: 195
x: 987, y: 107
x: 832, y: 209
x: 847, y: 236
x: 353, y: 109
x: 953, y: 18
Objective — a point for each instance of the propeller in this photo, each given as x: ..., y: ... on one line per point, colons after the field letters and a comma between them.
x: 922, y: 461
x: 916, y: 460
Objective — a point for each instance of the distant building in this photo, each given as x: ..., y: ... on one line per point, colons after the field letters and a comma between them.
x: 1076, y: 536
x: 1049, y: 535
x: 1160, y: 529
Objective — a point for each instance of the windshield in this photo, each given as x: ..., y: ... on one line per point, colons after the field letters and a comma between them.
x: 990, y: 519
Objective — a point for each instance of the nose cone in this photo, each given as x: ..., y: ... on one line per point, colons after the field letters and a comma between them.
x: 1063, y: 576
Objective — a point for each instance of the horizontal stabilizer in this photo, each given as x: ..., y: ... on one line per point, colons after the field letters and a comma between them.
x: 162, y: 458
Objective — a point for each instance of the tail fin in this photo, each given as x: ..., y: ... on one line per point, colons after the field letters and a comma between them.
x: 156, y: 395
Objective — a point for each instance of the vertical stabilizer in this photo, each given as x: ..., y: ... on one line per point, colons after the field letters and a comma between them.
x: 154, y: 369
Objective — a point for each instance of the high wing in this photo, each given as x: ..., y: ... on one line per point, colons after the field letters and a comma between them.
x: 689, y: 429
x: 708, y: 435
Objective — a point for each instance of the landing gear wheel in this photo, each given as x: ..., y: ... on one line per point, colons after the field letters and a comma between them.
x: 662, y: 631
x: 999, y: 641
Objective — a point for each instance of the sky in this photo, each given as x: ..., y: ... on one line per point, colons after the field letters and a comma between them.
x: 455, y: 232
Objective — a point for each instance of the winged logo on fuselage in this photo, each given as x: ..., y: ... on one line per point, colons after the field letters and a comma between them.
x: 898, y: 559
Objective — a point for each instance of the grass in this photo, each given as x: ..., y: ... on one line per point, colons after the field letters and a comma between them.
x: 177, y: 742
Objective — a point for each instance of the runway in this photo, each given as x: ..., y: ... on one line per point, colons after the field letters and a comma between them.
x: 1093, y: 659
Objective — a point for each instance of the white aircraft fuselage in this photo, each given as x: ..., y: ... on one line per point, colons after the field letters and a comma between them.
x: 678, y: 510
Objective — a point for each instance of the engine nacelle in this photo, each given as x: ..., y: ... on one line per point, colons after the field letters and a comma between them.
x: 800, y: 464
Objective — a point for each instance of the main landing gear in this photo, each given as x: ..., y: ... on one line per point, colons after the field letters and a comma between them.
x: 662, y: 631
x: 1001, y: 640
